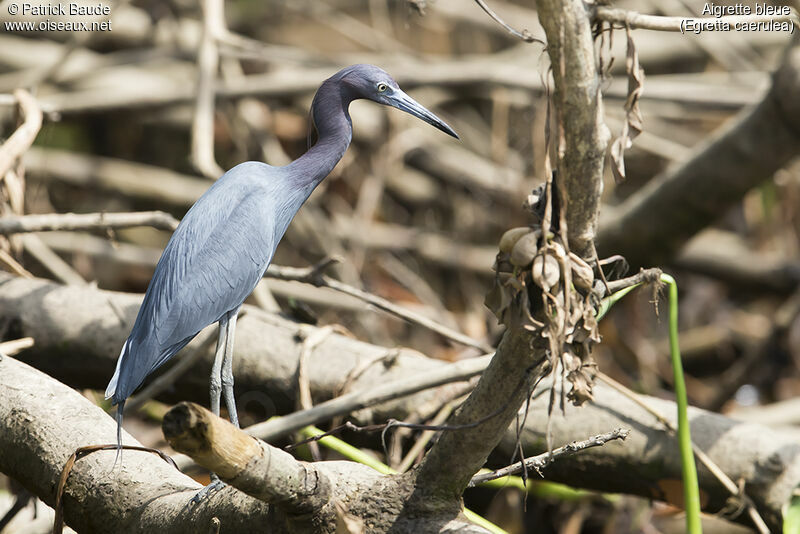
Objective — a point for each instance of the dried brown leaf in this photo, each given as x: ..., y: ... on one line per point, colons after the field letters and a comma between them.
x: 633, y: 120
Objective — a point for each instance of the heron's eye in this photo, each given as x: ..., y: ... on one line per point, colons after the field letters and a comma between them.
x: 382, y: 87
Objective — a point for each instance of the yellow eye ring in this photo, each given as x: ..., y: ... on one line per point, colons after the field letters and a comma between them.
x: 382, y: 87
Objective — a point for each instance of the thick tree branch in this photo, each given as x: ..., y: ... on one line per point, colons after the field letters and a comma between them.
x: 42, y: 422
x: 505, y: 384
x: 146, y: 494
x: 651, y: 225
x: 258, y: 469
x: 579, y: 114
x: 77, y: 333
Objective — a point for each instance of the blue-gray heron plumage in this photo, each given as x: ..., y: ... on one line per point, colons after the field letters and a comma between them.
x: 226, y: 241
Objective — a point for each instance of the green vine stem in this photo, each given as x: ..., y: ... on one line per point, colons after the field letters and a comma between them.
x: 691, y: 491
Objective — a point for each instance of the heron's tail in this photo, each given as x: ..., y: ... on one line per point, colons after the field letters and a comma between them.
x: 111, y: 390
x: 118, y: 417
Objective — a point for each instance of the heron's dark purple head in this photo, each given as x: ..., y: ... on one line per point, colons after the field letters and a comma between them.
x: 373, y: 83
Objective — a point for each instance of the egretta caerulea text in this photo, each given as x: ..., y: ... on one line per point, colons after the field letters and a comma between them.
x: 226, y: 241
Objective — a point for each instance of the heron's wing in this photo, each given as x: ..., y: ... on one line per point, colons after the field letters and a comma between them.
x: 212, y: 263
x: 211, y: 266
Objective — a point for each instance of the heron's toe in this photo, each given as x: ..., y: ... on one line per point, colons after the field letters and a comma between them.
x: 215, y: 485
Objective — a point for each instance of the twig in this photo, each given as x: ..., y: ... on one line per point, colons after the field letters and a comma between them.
x: 462, y: 370
x: 525, y: 35
x: 50, y: 260
x: 427, y: 435
x: 304, y: 400
x: 642, y: 277
x: 87, y: 221
x: 636, y: 20
x: 23, y: 137
x: 14, y: 265
x: 313, y: 275
x: 12, y: 347
x: 539, y: 461
x: 414, y: 282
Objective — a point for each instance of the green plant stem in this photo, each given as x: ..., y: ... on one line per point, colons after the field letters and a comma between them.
x: 612, y: 299
x: 691, y: 492
x: 352, y: 453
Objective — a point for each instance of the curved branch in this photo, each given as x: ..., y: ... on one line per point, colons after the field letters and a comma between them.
x: 23, y: 137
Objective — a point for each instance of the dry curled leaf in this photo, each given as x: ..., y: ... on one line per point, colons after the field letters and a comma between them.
x: 633, y: 119
x: 582, y: 273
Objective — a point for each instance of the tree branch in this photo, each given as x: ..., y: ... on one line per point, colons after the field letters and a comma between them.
x: 537, y: 463
x: 313, y: 275
x: 579, y: 114
x: 23, y: 137
x: 636, y: 21
x: 653, y: 223
x: 37, y: 435
x: 260, y: 470
x: 78, y: 331
x: 85, y: 221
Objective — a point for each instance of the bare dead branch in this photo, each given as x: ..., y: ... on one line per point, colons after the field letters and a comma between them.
x: 23, y: 137
x: 262, y: 471
x: 635, y: 21
x: 137, y: 180
x: 525, y: 35
x: 579, y: 114
x: 356, y: 400
x: 37, y: 435
x: 85, y: 221
x: 313, y: 276
x: 537, y: 463
x: 202, y: 154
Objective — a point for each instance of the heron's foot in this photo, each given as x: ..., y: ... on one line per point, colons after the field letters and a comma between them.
x: 215, y: 485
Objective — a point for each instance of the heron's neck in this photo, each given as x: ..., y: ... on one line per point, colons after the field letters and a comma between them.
x: 329, y: 111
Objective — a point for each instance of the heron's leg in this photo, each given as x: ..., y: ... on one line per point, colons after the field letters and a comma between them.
x: 227, y: 367
x: 216, y: 390
x: 216, y: 369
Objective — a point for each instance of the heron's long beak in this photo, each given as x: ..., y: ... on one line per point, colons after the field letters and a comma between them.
x: 403, y: 102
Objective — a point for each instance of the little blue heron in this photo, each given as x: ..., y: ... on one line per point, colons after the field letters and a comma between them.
x: 226, y: 241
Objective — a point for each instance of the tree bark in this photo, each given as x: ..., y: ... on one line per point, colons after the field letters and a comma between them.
x: 146, y: 494
x: 579, y: 115
x: 42, y: 422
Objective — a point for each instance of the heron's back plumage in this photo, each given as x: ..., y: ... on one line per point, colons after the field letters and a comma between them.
x: 211, y: 264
